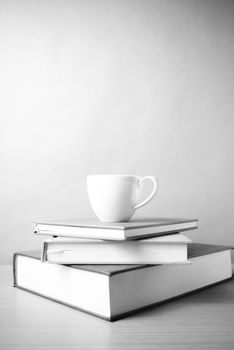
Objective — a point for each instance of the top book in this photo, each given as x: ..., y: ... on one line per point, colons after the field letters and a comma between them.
x: 115, y: 231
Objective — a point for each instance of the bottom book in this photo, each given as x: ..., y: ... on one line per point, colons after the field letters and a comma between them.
x: 115, y: 291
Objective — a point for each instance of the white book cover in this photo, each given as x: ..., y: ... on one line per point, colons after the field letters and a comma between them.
x: 165, y: 249
x: 114, y: 291
x: 95, y: 229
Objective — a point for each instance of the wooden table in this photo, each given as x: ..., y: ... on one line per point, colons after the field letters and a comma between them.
x: 203, y: 320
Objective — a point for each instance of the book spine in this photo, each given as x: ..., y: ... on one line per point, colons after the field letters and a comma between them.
x: 15, y: 270
x: 44, y: 251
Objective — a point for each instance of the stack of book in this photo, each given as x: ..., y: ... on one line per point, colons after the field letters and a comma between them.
x: 113, y: 269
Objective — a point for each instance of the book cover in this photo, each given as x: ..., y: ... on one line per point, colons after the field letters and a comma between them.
x: 95, y: 229
x: 165, y: 249
x: 114, y: 291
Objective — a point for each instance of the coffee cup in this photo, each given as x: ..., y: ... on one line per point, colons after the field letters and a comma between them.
x: 116, y: 197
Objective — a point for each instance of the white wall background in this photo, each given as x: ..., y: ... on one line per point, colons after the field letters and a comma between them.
x: 116, y: 86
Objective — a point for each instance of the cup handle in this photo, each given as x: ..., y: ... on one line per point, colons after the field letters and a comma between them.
x: 152, y: 193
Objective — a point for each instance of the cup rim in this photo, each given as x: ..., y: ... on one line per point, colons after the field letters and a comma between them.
x: 112, y: 175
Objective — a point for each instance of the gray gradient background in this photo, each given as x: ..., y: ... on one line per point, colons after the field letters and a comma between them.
x: 139, y: 87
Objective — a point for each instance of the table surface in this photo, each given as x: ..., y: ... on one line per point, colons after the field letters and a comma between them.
x: 203, y: 320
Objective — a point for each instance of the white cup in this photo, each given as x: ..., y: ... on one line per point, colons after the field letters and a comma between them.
x: 116, y: 197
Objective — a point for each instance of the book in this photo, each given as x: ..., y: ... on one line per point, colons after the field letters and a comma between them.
x: 157, y: 250
x: 95, y: 229
x: 114, y: 291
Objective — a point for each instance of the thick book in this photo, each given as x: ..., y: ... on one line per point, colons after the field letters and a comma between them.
x: 116, y: 231
x: 158, y: 250
x: 114, y: 291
